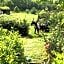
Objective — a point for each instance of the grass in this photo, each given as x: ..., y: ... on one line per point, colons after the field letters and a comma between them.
x: 33, y: 46
x: 18, y: 17
x: 22, y: 15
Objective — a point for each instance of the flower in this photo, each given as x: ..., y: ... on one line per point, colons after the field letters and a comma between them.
x: 47, y: 45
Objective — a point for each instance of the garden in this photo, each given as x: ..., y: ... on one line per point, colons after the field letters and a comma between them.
x: 18, y: 42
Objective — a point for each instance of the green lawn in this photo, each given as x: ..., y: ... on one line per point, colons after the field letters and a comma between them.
x: 22, y: 15
x: 33, y: 48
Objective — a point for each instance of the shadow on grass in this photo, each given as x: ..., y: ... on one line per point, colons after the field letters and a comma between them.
x: 32, y: 36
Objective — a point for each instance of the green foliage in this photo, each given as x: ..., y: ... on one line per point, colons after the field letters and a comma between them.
x: 44, y: 14
x: 52, y: 7
x: 56, y: 40
x: 59, y: 58
x: 33, y: 10
x: 22, y: 5
x: 29, y: 4
x: 59, y: 7
x: 10, y: 4
x: 22, y: 27
x: 4, y: 8
x: 37, y: 45
x: 16, y: 9
x: 54, y: 19
x: 11, y: 48
x: 27, y: 10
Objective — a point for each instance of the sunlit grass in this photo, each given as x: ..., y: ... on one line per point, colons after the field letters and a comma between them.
x: 33, y: 47
x: 22, y: 15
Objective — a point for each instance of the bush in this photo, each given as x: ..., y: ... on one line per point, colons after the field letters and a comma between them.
x: 7, y: 24
x: 33, y: 10
x: 59, y: 58
x: 23, y: 28
x: 55, y: 43
x: 52, y: 7
x: 59, y: 7
x: 27, y: 10
x: 11, y: 48
x: 44, y: 14
x: 16, y: 9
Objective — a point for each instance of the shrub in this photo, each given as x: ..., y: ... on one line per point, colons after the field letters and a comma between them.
x: 16, y: 9
x: 27, y: 10
x: 11, y: 48
x: 33, y: 10
x: 44, y: 14
x: 59, y: 58
x: 7, y: 24
x: 55, y: 41
x: 23, y: 28
x: 59, y: 7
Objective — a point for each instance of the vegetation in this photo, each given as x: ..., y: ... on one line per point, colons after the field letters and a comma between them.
x: 22, y: 27
x: 29, y: 4
x: 17, y: 38
x: 11, y: 48
x: 33, y: 10
x: 40, y: 40
x: 5, y: 7
x: 16, y: 9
